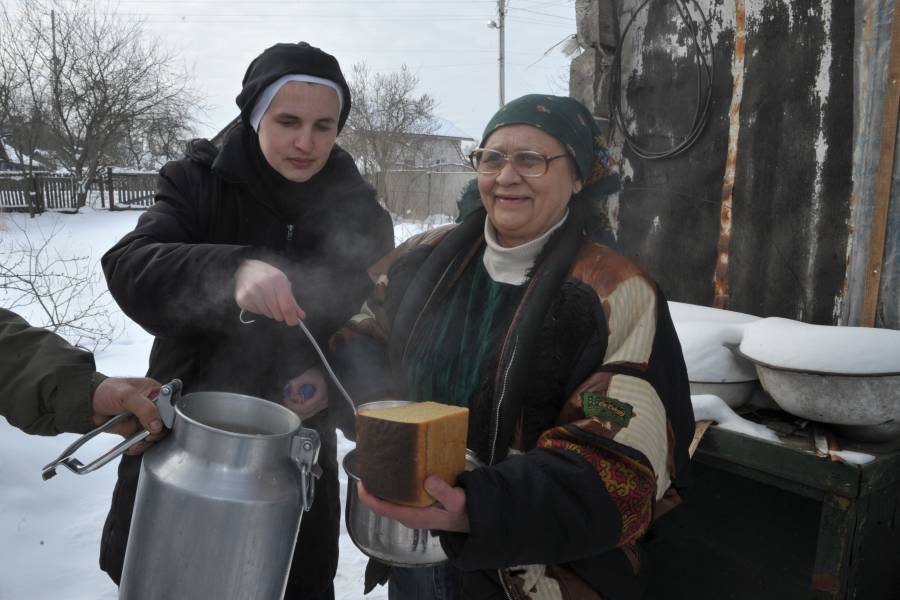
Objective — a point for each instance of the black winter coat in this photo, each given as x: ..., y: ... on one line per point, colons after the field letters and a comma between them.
x: 174, y: 275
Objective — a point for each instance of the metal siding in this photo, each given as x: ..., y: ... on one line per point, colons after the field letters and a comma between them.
x: 669, y: 210
x: 792, y: 202
x: 792, y: 187
x: 873, y: 20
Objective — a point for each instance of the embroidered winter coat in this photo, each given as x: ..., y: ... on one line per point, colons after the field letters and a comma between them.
x: 589, y: 386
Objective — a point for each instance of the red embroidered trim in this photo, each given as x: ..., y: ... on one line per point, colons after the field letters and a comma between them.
x: 630, y: 484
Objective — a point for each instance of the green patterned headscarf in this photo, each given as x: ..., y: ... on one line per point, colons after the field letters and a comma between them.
x: 570, y: 122
x: 566, y: 119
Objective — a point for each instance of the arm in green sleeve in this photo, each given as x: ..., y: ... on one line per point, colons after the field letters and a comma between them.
x: 46, y: 384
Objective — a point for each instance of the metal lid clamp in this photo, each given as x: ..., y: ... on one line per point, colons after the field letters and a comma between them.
x: 305, y: 453
x: 169, y: 394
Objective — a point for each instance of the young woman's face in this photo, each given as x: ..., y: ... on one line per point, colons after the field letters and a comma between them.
x: 298, y: 129
x: 522, y: 209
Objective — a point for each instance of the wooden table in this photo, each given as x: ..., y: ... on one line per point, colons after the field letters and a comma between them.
x: 771, y: 521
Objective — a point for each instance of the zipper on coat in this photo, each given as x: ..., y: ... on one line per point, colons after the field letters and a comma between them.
x: 512, y: 359
x: 290, y: 232
x: 505, y: 589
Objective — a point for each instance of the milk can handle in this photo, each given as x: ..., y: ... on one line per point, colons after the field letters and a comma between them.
x: 305, y: 454
x: 165, y: 401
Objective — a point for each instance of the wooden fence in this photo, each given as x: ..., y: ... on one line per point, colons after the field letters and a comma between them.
x: 129, y: 190
x: 39, y: 192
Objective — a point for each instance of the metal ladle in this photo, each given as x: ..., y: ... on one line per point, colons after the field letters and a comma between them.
x: 312, y: 340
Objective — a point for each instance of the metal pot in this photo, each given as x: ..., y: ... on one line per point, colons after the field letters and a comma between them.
x: 386, y: 539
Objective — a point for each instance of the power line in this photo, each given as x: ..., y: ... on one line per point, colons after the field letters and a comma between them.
x: 295, y: 4
x: 539, y: 4
x: 309, y: 17
x: 535, y: 12
x: 293, y: 19
x: 542, y: 23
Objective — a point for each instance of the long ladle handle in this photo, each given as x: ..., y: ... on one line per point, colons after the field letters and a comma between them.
x: 312, y: 340
x: 337, y: 382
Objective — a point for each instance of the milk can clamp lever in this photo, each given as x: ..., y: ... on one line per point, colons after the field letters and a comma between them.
x: 165, y: 401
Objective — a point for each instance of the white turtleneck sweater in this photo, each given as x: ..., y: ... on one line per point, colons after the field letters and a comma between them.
x: 511, y: 265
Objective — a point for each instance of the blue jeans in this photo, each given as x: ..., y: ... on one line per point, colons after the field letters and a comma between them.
x: 427, y: 583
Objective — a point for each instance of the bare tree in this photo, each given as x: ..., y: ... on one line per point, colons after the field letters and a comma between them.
x: 92, y: 77
x: 62, y: 288
x: 387, y: 119
x: 152, y: 142
x: 24, y: 94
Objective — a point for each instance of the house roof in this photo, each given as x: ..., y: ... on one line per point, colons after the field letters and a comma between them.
x: 449, y: 130
x: 9, y: 155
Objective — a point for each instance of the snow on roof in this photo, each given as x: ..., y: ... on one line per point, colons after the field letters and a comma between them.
x: 13, y: 156
x: 446, y: 128
x: 8, y: 151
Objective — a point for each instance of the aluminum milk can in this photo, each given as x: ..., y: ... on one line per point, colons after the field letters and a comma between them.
x: 219, y: 502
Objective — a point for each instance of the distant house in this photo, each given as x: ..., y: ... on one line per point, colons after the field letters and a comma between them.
x: 9, y: 159
x: 442, y: 148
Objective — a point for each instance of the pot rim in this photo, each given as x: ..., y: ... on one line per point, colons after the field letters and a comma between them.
x: 295, y: 420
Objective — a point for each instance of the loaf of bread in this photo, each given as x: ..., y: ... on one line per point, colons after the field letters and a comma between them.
x: 398, y: 447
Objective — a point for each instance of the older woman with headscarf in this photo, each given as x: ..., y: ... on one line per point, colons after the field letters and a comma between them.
x: 563, y: 351
x: 277, y: 223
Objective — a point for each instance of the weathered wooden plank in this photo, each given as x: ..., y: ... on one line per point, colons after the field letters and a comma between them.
x: 777, y: 464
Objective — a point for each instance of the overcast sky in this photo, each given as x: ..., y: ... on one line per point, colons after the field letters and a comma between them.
x: 446, y: 43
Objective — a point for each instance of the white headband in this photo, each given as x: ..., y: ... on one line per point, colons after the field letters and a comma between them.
x: 268, y: 94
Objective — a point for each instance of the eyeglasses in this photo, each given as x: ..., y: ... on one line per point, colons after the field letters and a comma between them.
x: 526, y: 163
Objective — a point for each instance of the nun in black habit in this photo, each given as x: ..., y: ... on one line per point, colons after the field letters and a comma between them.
x: 277, y: 223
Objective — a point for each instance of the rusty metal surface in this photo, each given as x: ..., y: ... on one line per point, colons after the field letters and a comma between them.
x: 668, y: 213
x: 790, y: 199
x: 793, y: 184
x: 873, y: 20
x: 734, y: 129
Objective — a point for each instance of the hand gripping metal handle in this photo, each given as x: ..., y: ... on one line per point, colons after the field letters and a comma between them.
x: 305, y: 453
x: 165, y: 401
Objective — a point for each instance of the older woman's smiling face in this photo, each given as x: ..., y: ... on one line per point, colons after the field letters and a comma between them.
x: 522, y: 209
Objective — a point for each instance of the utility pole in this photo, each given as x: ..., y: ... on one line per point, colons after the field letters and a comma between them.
x: 502, y: 14
x: 500, y: 25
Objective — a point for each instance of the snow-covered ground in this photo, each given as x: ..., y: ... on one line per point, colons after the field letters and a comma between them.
x: 50, y: 531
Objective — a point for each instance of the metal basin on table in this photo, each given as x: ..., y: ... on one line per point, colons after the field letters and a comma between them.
x: 862, y: 407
